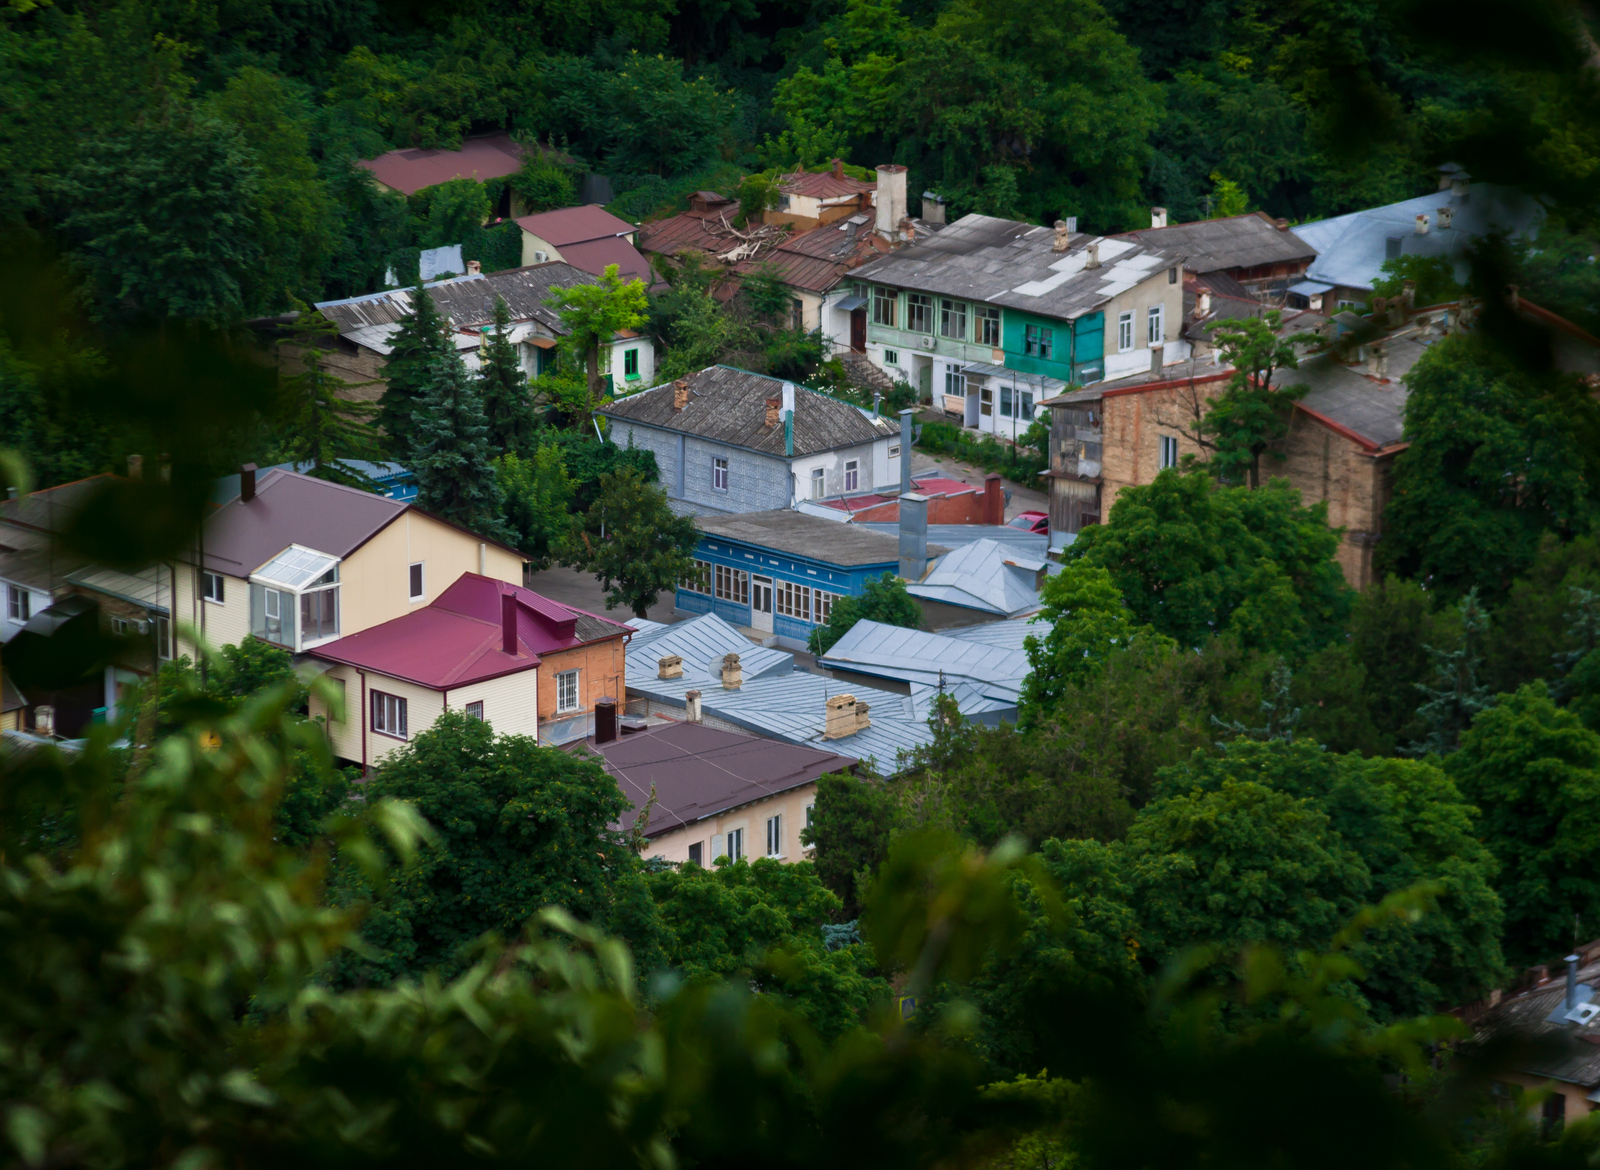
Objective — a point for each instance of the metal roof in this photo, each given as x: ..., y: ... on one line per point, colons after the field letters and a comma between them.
x: 812, y: 537
x: 983, y: 672
x: 1239, y: 241
x: 290, y: 509
x: 149, y: 587
x: 464, y: 301
x: 709, y: 231
x: 823, y: 185
x: 410, y: 170
x: 30, y: 557
x: 729, y: 405
x: 574, y: 225
x: 52, y: 509
x: 1567, y: 1052
x: 1004, y: 262
x: 985, y: 575
x: 595, y: 256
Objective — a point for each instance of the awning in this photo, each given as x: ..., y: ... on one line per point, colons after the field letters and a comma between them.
x: 543, y: 342
x: 850, y: 304
x: 1310, y: 288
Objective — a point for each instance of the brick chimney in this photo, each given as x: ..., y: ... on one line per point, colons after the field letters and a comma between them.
x: 605, y: 721
x: 669, y: 667
x: 862, y: 722
x: 994, y: 500
x: 732, y: 673
x: 840, y: 718
x: 680, y: 394
x: 773, y: 406
x: 247, y: 482
x: 838, y: 168
x: 691, y: 707
x: 508, y: 623
x: 1063, y: 237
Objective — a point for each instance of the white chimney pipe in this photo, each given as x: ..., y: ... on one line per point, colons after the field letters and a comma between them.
x: 1158, y: 217
x: 788, y: 398
x: 1092, y: 260
x: 891, y: 201
x: 1422, y: 223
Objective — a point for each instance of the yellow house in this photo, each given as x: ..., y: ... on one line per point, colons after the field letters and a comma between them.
x: 299, y: 562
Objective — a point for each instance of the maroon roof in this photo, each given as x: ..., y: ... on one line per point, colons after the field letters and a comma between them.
x: 456, y: 639
x: 293, y: 509
x: 574, y: 225
x: 710, y: 232
x: 699, y: 771
x: 823, y: 185
x: 409, y: 171
x: 592, y: 256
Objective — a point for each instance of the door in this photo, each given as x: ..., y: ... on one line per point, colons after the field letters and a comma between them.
x: 761, y: 603
x: 858, y: 330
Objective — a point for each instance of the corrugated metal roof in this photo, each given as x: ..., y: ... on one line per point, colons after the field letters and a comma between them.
x: 984, y: 575
x: 710, y: 232
x: 729, y: 405
x: 987, y: 676
x: 595, y: 256
x: 293, y: 509
x: 410, y: 170
x: 574, y: 225
x: 1240, y: 241
x: 1004, y: 262
x: 823, y: 185
x: 150, y: 587
x: 51, y: 509
x: 813, y: 537
x: 465, y: 301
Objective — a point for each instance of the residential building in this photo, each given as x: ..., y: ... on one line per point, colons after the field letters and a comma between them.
x: 367, y: 325
x: 989, y: 316
x: 727, y: 440
x: 1260, y: 253
x: 809, y: 199
x: 408, y: 170
x: 706, y: 230
x: 501, y: 653
x: 391, y: 479
x: 714, y: 793
x: 301, y: 562
x: 1352, y: 248
x: 588, y: 238
x: 813, y: 266
x: 780, y: 572
x: 979, y: 582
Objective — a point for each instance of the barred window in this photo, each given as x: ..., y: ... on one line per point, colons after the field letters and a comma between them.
x: 794, y: 600
x: 699, y: 581
x: 733, y: 585
x: 824, y: 606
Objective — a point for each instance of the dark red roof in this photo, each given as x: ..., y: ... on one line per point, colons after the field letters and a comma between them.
x: 823, y: 185
x: 408, y: 171
x: 456, y: 639
x: 574, y: 225
x: 592, y: 256
x: 701, y: 231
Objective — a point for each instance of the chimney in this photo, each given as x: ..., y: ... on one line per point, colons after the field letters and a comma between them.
x: 474, y: 267
x: 732, y: 673
x: 508, y: 623
x: 135, y: 466
x: 1513, y: 297
x: 247, y: 482
x: 838, y: 168
x: 913, y: 535
x: 1156, y: 352
x: 44, y: 719
x: 840, y: 719
x: 1281, y: 224
x: 862, y: 722
x: 1422, y: 223
x: 1458, y: 189
x: 1408, y: 294
x: 772, y: 412
x: 605, y: 721
x: 994, y: 501
x: 1093, y: 258
x: 1063, y: 237
x: 891, y: 200
x: 1202, y: 304
x: 1382, y: 356
x: 691, y: 707
x: 1445, y: 215
x: 669, y: 667
x: 932, y: 207
x: 908, y: 229
x: 1572, y: 962
x: 1158, y: 217
x: 906, y: 433
x: 680, y: 394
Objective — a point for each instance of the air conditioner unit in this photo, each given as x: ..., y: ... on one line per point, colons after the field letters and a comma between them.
x: 927, y: 343
x: 143, y: 627
x: 540, y: 257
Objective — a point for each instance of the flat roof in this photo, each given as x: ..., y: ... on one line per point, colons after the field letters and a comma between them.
x: 825, y: 541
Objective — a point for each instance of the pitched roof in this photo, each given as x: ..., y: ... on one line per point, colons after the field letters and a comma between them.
x: 52, y: 509
x: 729, y: 405
x: 1017, y: 540
x: 11, y: 699
x: 466, y: 300
x: 709, y: 231
x: 34, y: 558
x: 575, y: 225
x: 1238, y: 241
x: 456, y: 640
x: 240, y: 537
x: 593, y: 256
x: 816, y: 260
x: 823, y: 185
x: 985, y: 575
x: 408, y: 171
x: 988, y: 659
x: 1373, y: 411
x: 824, y: 541
x: 1004, y: 262
x: 1559, y: 1050
x: 697, y: 771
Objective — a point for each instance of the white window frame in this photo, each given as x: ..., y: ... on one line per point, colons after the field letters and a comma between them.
x: 894, y: 451
x: 775, y: 835
x: 569, y: 694
x: 793, y: 601
x: 852, y: 475
x: 819, y: 483
x: 1168, y: 456
x: 701, y: 582
x: 387, y: 714
x: 735, y: 849
x: 417, y: 580
x: 474, y: 710
x: 719, y: 474
x: 1125, y: 332
x: 822, y: 605
x: 1155, y: 325
x: 163, y: 631
x: 19, y: 604
x: 732, y: 585
x: 212, y: 587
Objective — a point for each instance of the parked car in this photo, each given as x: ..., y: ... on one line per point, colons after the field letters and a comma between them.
x: 1031, y: 522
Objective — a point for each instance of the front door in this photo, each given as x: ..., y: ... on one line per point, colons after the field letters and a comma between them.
x: 858, y: 330
x: 761, y: 603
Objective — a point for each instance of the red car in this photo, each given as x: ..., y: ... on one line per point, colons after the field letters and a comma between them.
x: 1031, y: 522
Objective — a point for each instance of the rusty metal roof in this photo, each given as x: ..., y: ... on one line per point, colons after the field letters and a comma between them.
x: 710, y: 232
x: 823, y: 185
x: 574, y: 225
x: 410, y: 170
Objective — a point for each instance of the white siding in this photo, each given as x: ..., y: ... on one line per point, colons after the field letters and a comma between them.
x: 510, y: 702
x: 224, y: 624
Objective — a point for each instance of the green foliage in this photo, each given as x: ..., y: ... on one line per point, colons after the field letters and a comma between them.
x: 593, y: 314
x: 884, y: 599
x: 1227, y: 198
x: 1009, y: 459
x: 1458, y: 696
x: 1192, y: 560
x: 1434, y: 277
x: 633, y: 542
x: 448, y: 213
x: 1084, y: 619
x: 416, y: 348
x: 450, y: 456
x: 1556, y: 270
x: 1533, y: 771
x: 758, y: 193
x: 544, y: 183
x: 1251, y: 416
x: 850, y: 827
x: 507, y: 403
x: 318, y: 424
x: 538, y: 494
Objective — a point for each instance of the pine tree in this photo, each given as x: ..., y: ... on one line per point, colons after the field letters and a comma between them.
x: 450, y: 454
x: 419, y: 343
x: 320, y: 426
x: 1451, y: 706
x: 506, y: 401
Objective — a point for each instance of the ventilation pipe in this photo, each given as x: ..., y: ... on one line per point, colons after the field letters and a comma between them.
x: 1572, y: 962
x: 605, y: 721
x: 691, y: 707
x: 906, y: 432
x: 913, y: 535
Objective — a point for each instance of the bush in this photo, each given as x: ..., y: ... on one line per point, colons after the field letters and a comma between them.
x: 1015, y: 462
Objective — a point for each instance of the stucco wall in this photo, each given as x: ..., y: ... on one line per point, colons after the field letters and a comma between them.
x: 673, y: 845
x: 375, y: 579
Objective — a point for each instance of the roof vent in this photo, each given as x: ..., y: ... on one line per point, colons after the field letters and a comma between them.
x: 1092, y: 260
x: 1583, y: 1014
x: 1422, y: 223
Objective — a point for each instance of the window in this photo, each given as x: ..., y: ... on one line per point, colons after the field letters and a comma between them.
x: 988, y: 325
x: 818, y: 483
x: 272, y: 615
x: 1038, y: 340
x: 811, y: 815
x: 416, y: 582
x: 18, y: 605
x: 891, y: 357
x: 1005, y: 401
x: 955, y: 383
x: 719, y: 475
x: 735, y: 844
x: 822, y: 605
x: 1153, y: 325
x: 630, y: 364
x: 883, y: 300
x: 1169, y: 451
x: 797, y: 315
x: 121, y: 627
x: 894, y: 451
x: 775, y: 836
x: 566, y: 692
x: 299, y: 584
x: 1025, y: 404
x: 794, y: 600
x: 475, y: 710
x: 700, y: 582
x: 163, y: 628
x: 733, y: 585
x: 1125, y: 333
x: 852, y: 475
x: 388, y: 714
x: 1172, y: 276
x: 211, y: 587
x: 319, y: 614
x: 697, y: 853
x: 547, y: 361
x: 919, y: 313
x: 953, y: 320
x: 986, y: 400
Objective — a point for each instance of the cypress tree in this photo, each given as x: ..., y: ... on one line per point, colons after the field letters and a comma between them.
x: 450, y: 454
x: 506, y: 403
x: 420, y: 342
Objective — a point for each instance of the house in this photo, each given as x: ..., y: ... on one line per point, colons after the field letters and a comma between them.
x: 714, y: 793
x: 502, y: 653
x: 588, y: 238
x: 408, y: 170
x: 367, y: 325
x: 981, y: 581
x: 809, y: 199
x: 780, y: 572
x: 13, y: 706
x: 727, y: 440
x: 989, y: 316
x: 1258, y: 252
x: 392, y: 480
x: 705, y: 671
x: 1352, y: 248
x: 813, y: 267
x: 706, y: 229
x: 300, y: 562
x: 32, y: 563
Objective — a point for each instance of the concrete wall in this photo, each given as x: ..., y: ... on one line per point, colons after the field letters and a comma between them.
x: 791, y: 806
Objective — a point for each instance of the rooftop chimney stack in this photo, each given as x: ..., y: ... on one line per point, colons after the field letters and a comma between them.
x: 891, y: 200
x: 247, y: 482
x: 44, y: 719
x: 838, y: 168
x: 932, y: 207
x: 772, y: 412
x: 1158, y: 217
x: 862, y: 722
x: 913, y: 534
x: 1572, y: 962
x: 1156, y: 352
x: 1092, y: 260
x: 732, y: 673
x: 680, y: 394
x: 1281, y: 224
x: 787, y: 400
x: 691, y: 707
x: 508, y: 623
x: 1063, y: 237
x: 474, y: 267
x: 1446, y: 214
x: 1202, y: 304
x: 605, y: 721
x: 840, y: 718
x: 135, y: 466
x: 906, y: 433
x: 1422, y: 223
x: 669, y: 667
x: 1408, y: 295
x: 1459, y: 188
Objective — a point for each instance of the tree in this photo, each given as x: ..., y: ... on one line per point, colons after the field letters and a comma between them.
x: 506, y: 401
x: 1433, y: 278
x: 884, y: 599
x: 850, y: 828
x: 450, y: 455
x: 1533, y: 771
x: 543, y: 183
x: 320, y: 426
x: 539, y: 496
x: 415, y: 349
x: 449, y: 212
x: 1084, y: 619
x: 594, y: 313
x: 517, y: 827
x: 1252, y: 414
x: 634, y: 542
x: 1452, y: 705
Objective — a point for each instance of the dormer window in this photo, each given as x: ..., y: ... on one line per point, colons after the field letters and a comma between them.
x: 294, y: 599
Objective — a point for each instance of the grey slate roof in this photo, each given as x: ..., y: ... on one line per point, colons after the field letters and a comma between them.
x: 729, y: 405
x: 1346, y: 395
x: 984, y: 671
x: 1003, y: 262
x: 985, y: 575
x: 1564, y: 1051
x: 1239, y: 241
x: 800, y: 535
x: 466, y: 300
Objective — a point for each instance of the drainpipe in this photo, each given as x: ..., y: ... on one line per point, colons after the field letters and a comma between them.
x: 1572, y: 981
x: 362, y: 717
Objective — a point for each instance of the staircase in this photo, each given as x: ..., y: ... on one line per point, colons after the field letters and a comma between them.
x: 863, y: 374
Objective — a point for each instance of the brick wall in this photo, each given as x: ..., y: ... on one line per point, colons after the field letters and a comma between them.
x: 602, y: 673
